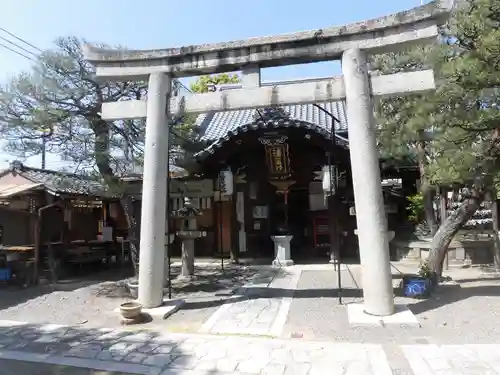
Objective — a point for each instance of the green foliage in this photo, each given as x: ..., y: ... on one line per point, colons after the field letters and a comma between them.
x: 415, y: 207
x: 425, y: 270
x: 56, y: 106
x: 462, y: 115
x: 186, y: 132
x: 203, y: 83
x: 59, y: 101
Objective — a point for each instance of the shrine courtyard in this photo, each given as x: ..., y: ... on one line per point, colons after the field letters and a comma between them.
x: 289, y: 317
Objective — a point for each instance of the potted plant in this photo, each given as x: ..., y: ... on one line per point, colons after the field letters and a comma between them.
x: 418, y: 285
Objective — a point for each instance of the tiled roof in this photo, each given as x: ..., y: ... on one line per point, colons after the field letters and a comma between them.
x: 277, y: 123
x: 215, y: 125
x: 60, y: 182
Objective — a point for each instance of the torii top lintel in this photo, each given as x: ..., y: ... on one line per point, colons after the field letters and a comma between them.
x: 419, y: 24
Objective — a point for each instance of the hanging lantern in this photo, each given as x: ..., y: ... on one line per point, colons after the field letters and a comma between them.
x: 226, y: 182
x: 328, y: 179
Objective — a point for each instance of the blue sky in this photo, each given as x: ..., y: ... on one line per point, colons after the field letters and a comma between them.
x: 169, y: 23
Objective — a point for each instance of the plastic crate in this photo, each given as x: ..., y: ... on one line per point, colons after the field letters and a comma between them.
x: 416, y: 287
x: 5, y: 274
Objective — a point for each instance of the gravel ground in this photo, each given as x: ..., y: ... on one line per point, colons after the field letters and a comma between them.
x: 90, y: 302
x: 9, y: 367
x: 466, y: 313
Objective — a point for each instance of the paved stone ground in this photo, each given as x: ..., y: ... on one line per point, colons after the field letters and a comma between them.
x: 70, y: 350
x: 151, y: 353
x: 13, y: 367
x: 262, y: 312
x: 453, y: 359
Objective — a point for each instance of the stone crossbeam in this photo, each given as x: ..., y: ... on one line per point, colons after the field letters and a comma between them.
x: 326, y: 90
x: 418, y: 25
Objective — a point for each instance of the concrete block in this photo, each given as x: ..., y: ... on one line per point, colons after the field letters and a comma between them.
x: 403, y: 317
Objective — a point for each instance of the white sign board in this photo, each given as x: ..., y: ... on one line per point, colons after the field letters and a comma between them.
x: 193, y: 188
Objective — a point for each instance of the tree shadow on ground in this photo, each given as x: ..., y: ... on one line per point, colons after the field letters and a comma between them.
x: 310, y: 293
x: 449, y: 294
x: 212, y: 302
x: 13, y: 295
x: 121, y: 349
x: 212, y: 280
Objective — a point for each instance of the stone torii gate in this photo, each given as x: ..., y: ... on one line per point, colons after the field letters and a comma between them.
x: 350, y: 43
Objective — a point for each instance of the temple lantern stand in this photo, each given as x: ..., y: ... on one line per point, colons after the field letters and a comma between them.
x: 188, y: 234
x: 282, y: 237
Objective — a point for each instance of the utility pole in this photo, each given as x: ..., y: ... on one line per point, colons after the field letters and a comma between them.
x: 44, y: 151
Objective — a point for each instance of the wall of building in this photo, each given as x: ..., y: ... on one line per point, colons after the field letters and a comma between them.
x: 15, y: 227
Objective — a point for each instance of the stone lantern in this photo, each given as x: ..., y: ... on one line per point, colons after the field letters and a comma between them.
x: 188, y: 233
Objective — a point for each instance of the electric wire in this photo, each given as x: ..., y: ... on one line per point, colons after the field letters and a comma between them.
x: 20, y: 39
x: 18, y: 46
x: 17, y: 52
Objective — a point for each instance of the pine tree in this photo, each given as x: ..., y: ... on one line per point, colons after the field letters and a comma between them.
x: 462, y: 116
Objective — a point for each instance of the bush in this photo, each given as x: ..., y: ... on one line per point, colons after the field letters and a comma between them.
x: 415, y: 207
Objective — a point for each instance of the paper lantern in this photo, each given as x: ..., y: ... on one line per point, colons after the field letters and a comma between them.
x: 328, y: 179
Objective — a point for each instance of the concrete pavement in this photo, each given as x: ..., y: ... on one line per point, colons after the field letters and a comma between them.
x: 126, y: 352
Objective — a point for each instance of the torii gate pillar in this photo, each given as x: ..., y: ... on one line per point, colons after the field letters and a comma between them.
x: 154, y: 192
x: 385, y: 34
x: 370, y: 210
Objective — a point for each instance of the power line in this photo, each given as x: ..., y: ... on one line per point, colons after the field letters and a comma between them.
x: 17, y: 52
x: 21, y: 39
x: 180, y: 83
x: 18, y: 46
x: 44, y: 141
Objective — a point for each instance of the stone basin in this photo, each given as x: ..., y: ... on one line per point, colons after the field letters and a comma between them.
x: 131, y: 310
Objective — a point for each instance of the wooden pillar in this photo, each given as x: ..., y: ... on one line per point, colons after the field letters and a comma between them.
x: 234, y: 241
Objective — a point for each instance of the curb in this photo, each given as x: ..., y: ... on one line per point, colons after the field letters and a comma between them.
x: 92, y: 364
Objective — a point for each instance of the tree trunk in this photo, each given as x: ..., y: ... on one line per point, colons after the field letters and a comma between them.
x: 127, y: 203
x: 430, y: 216
x: 101, y: 151
x: 447, y: 231
x: 427, y: 191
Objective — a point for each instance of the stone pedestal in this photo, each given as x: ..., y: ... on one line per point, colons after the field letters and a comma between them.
x: 188, y: 237
x: 282, y: 257
x: 187, y: 268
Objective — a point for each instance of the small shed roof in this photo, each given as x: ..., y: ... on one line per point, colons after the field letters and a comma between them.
x: 53, y: 181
